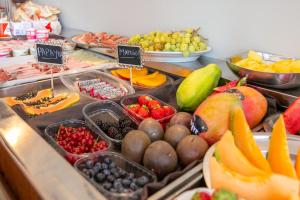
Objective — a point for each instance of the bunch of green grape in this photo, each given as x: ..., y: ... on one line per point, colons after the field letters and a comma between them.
x: 187, y: 41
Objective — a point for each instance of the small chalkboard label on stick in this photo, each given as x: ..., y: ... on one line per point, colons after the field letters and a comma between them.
x: 129, y: 55
x: 49, y: 54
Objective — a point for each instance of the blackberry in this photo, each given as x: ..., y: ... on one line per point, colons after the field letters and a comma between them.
x: 104, y: 127
x: 125, y: 122
x: 112, y: 132
x: 99, y: 123
x: 118, y: 137
x: 126, y: 130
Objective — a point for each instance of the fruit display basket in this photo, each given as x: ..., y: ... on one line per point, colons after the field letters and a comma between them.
x: 168, y: 82
x: 133, y: 99
x: 71, y: 81
x: 51, y: 135
x: 164, y: 56
x: 107, y: 112
x: 268, y: 79
x: 121, y: 162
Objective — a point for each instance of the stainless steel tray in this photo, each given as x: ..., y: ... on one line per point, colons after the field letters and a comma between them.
x: 267, y: 79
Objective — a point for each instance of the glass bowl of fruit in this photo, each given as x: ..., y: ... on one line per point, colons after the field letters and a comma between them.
x: 110, y: 119
x: 74, y: 140
x: 143, y: 106
x: 115, y: 176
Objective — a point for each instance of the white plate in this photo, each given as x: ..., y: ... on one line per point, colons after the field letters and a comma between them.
x: 169, y: 56
x: 188, y: 194
x: 262, y: 140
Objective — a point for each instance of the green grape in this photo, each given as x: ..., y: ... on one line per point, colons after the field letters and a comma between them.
x: 177, y: 45
x: 177, y: 49
x: 156, y: 39
x: 186, y: 54
x: 189, y: 30
x: 146, y: 49
x: 192, y: 49
x: 168, y: 40
x: 202, y: 46
x: 183, y: 47
x: 168, y: 46
x: 196, y: 39
x: 151, y: 48
x: 187, y: 35
x: 186, y: 40
x: 162, y: 38
x: 173, y: 47
x: 173, y: 41
x: 152, y: 33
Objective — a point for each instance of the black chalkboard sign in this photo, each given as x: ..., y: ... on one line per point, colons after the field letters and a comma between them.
x: 129, y: 55
x: 50, y: 54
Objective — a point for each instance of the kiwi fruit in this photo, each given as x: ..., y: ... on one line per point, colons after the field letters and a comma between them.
x: 175, y: 134
x: 134, y: 145
x: 160, y: 157
x: 182, y: 118
x: 153, y: 129
x: 191, y: 148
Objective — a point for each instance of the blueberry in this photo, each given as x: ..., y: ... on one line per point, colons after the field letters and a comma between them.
x: 107, y: 160
x: 116, y: 174
x: 107, y: 185
x: 100, y: 177
x: 122, y: 172
x: 131, y: 175
x: 141, y: 181
x: 133, y: 186
x: 104, y: 166
x: 114, y: 170
x: 89, y: 164
x: 92, y: 172
x: 106, y: 172
x: 112, y: 165
x: 98, y: 165
x: 110, y: 178
x: 96, y: 168
x: 117, y: 185
x: 113, y: 190
x: 126, y: 183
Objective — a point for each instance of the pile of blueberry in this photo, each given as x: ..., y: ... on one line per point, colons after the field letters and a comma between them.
x: 111, y: 177
x: 118, y: 130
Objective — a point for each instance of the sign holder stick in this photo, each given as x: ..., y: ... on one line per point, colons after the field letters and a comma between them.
x: 52, y: 81
x: 130, y: 69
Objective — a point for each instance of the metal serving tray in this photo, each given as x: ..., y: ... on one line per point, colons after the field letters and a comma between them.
x: 267, y: 79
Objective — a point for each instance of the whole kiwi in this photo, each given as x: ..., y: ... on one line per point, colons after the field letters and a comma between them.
x: 134, y: 145
x: 182, y: 118
x: 175, y: 134
x: 191, y: 148
x: 153, y: 129
x: 161, y: 158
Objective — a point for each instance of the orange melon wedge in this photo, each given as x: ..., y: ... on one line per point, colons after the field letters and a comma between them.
x: 230, y: 156
x: 297, y: 164
x: 245, y: 141
x: 149, y: 76
x: 158, y: 80
x: 278, y: 154
x: 273, y: 187
x: 125, y: 73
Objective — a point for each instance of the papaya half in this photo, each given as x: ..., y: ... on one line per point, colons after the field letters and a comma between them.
x: 197, y: 86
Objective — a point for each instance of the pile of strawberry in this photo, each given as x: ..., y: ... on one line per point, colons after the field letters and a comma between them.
x: 148, y: 107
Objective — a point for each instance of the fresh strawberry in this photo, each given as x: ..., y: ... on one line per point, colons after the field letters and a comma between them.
x: 158, y: 113
x: 168, y: 110
x: 143, y: 112
x: 204, y: 196
x: 153, y: 104
x: 134, y: 108
x: 144, y: 100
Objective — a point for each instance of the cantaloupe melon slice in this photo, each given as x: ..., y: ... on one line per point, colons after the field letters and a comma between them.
x: 244, y: 140
x: 273, y: 187
x: 278, y: 154
x: 231, y: 157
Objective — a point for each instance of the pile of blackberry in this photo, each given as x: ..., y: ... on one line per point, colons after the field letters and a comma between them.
x: 118, y: 130
x: 111, y: 177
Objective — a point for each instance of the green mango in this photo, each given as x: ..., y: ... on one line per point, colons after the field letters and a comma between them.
x: 197, y: 86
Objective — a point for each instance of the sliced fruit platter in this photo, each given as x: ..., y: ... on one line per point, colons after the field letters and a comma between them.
x: 97, y: 85
x: 180, y: 46
x: 266, y: 69
x: 142, y: 78
x: 101, y: 39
